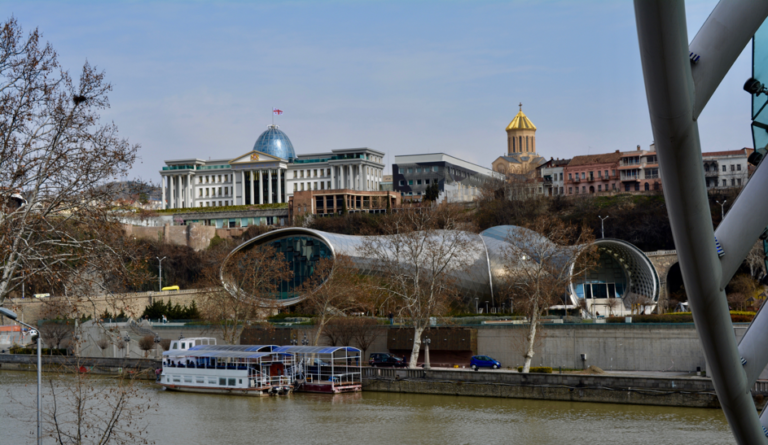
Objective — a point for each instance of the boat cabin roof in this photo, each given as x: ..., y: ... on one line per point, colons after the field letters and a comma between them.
x: 217, y: 354
x: 315, y: 349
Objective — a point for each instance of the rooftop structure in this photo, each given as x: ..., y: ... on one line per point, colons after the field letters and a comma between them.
x: 457, y: 180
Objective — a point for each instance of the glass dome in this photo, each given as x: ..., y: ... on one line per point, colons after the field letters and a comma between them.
x: 276, y: 143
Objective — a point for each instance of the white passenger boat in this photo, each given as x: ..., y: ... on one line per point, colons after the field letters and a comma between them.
x: 227, y: 369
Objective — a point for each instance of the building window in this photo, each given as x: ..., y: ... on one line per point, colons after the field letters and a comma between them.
x: 302, y: 186
x: 733, y: 182
x: 410, y: 182
x: 434, y: 169
x: 410, y: 170
x: 295, y: 174
x: 733, y: 168
x: 418, y: 182
x: 426, y: 181
x: 583, y: 189
x: 725, y: 181
x: 570, y: 177
x: 418, y: 170
x: 570, y: 190
x: 738, y: 167
x: 725, y: 168
x: 599, y: 187
x: 738, y: 181
x: 402, y: 182
x: 295, y: 187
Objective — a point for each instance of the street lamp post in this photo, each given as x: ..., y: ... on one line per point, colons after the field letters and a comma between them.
x: 12, y: 315
x: 477, y: 305
x: 427, y: 341
x: 722, y: 209
x: 602, y: 225
x: 160, y: 273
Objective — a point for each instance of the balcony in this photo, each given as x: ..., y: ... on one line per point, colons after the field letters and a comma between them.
x: 604, y: 178
x: 711, y: 174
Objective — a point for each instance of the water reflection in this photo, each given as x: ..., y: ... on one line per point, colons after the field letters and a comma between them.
x: 384, y: 418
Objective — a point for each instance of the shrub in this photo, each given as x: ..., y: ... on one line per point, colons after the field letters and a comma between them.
x: 147, y: 343
x: 158, y: 308
x: 537, y: 369
x: 679, y: 317
x: 44, y: 351
x: 165, y: 344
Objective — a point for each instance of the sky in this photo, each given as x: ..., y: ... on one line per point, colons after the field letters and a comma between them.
x: 199, y: 79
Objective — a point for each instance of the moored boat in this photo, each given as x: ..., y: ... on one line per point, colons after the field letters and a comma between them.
x: 222, y: 369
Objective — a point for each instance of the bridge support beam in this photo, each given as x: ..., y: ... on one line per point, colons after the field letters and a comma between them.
x: 672, y: 102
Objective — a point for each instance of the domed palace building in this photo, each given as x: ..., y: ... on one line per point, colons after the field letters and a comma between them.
x: 269, y: 173
x: 521, y: 159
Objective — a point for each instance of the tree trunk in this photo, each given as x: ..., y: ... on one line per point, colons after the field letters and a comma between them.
x: 417, y: 331
x: 531, y: 339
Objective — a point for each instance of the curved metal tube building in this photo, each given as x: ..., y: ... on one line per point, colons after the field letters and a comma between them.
x: 623, y: 271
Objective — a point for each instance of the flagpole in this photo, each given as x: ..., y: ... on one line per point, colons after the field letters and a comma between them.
x: 273, y: 116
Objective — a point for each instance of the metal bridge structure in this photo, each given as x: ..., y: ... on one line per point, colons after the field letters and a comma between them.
x: 680, y: 78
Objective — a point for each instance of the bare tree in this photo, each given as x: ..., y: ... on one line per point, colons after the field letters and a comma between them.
x: 54, y: 333
x: 540, y: 262
x: 339, y: 332
x: 331, y: 291
x: 165, y: 343
x: 613, y: 305
x: 365, y: 331
x: 94, y: 411
x: 147, y: 343
x: 756, y: 260
x: 57, y: 167
x: 103, y: 343
x: 254, y: 279
x: 417, y: 260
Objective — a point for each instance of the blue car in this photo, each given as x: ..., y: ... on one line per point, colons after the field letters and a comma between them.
x: 483, y: 361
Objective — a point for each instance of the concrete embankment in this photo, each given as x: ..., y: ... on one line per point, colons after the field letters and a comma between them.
x: 140, y: 368
x: 695, y: 392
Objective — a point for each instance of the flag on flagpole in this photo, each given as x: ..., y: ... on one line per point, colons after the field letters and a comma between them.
x: 277, y: 111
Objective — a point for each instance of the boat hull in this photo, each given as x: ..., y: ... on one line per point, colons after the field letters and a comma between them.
x: 250, y: 392
x: 330, y: 389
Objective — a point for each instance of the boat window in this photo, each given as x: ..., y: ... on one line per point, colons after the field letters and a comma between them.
x: 200, y: 380
x: 231, y: 382
x: 175, y: 345
x: 187, y: 379
x: 183, y: 346
x: 211, y: 380
x: 240, y: 381
x: 177, y: 378
x: 223, y: 382
x: 167, y: 380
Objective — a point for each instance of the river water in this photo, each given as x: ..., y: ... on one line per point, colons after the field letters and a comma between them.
x: 387, y: 419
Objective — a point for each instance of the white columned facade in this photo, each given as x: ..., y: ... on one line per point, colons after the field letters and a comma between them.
x: 333, y: 177
x: 279, y: 186
x: 173, y: 195
x: 242, y: 187
x: 190, y: 190
x: 252, y: 176
x: 261, y: 187
x: 269, y: 186
x: 164, y: 198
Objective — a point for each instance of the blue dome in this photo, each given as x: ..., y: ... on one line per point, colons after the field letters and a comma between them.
x: 276, y: 143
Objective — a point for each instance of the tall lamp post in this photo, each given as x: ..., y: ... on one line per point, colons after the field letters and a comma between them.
x: 602, y: 225
x: 722, y: 209
x: 12, y: 315
x: 160, y: 273
x: 427, y: 341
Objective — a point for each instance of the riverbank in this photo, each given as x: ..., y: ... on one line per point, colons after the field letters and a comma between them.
x: 692, y: 392
x: 134, y: 367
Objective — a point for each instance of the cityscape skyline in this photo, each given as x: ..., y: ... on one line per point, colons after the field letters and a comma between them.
x: 399, y: 78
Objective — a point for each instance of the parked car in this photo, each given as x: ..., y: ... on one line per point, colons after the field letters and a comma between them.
x: 382, y: 359
x: 483, y: 361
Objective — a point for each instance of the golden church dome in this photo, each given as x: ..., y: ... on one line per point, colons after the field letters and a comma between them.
x: 521, y: 122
